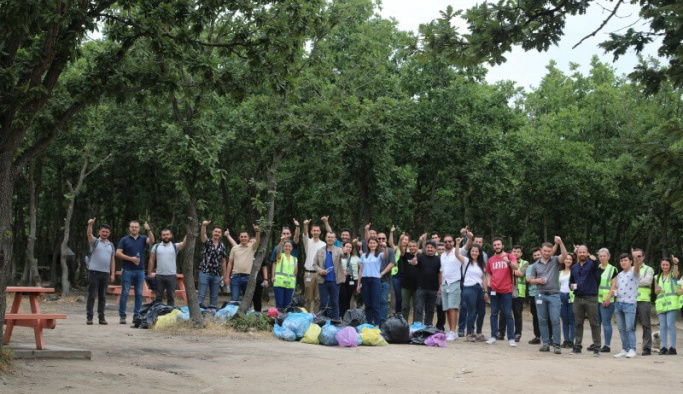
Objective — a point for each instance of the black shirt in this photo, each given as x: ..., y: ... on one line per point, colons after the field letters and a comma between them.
x: 428, y: 268
x: 407, y: 271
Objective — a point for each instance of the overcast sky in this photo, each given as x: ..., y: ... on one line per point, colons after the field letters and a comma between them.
x: 527, y: 68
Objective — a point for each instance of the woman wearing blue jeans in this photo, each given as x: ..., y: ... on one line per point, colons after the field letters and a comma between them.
x: 626, y: 291
x: 667, y: 307
x: 567, y: 302
x: 369, y: 286
x: 474, y: 288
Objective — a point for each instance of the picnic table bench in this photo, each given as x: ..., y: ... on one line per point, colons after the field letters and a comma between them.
x: 147, y: 293
x: 35, y: 319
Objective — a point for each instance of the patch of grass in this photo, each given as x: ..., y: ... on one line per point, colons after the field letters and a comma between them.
x: 6, y: 357
x: 244, y: 323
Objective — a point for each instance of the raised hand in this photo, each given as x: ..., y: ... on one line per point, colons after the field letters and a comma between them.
x: 306, y: 222
x: 393, y: 228
x: 296, y: 223
x: 558, y: 240
x: 325, y: 219
x: 256, y: 228
x: 146, y: 225
x: 91, y: 221
x: 458, y: 241
x: 206, y: 223
x: 367, y: 226
x: 227, y: 233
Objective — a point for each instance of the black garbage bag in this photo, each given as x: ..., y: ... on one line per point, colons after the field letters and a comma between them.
x: 298, y: 301
x: 149, y: 313
x: 396, y: 329
x: 420, y: 336
x: 279, y: 319
x: 354, y: 317
x: 226, y: 303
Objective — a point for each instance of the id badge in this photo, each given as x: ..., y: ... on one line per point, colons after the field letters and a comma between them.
x: 539, y: 302
x: 352, y: 283
x: 308, y: 279
x: 493, y: 292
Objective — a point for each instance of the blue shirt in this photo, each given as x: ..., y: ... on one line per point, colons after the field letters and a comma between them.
x: 329, y: 267
x: 532, y: 288
x: 132, y: 247
x: 585, y: 277
x: 371, y: 264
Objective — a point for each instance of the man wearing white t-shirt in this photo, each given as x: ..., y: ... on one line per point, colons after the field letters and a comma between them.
x: 450, y: 277
x: 164, y: 255
x: 311, y: 245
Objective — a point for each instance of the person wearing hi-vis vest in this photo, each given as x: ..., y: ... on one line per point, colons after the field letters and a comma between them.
x: 584, y: 283
x: 607, y: 276
x: 517, y: 302
x: 644, y: 305
x: 400, y: 250
x: 284, y: 273
x: 667, y: 306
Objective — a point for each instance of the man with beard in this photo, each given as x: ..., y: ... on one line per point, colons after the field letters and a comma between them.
x: 500, y: 268
x: 311, y: 246
x: 428, y: 267
x: 163, y: 255
x: 545, y: 275
x: 451, y: 275
x: 584, y: 281
x: 409, y: 275
x: 131, y: 250
x: 101, y: 269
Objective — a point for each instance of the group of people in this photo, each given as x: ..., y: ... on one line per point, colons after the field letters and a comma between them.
x: 453, y: 279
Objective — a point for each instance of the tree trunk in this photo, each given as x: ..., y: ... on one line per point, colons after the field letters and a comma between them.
x: 31, y: 271
x: 6, y: 234
x: 261, y: 254
x: 60, y: 206
x: 664, y: 243
x: 188, y: 262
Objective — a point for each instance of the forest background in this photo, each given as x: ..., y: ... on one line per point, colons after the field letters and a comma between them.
x: 258, y: 112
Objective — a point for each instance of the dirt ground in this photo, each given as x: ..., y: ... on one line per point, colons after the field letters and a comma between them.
x: 127, y: 360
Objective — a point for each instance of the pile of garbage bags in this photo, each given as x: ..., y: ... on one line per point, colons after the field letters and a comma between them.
x: 352, y: 331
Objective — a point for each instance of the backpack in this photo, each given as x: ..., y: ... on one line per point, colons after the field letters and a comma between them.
x: 94, y: 246
x: 175, y: 247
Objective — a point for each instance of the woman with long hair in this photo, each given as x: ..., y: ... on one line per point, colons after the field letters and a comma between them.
x: 666, y: 306
x: 350, y: 261
x: 567, y: 302
x: 284, y: 273
x: 400, y: 250
x: 607, y: 276
x: 474, y: 289
x: 369, y: 276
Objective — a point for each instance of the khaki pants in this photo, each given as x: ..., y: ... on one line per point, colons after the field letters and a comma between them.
x: 311, y: 295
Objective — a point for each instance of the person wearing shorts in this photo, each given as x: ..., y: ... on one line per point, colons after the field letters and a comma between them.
x: 449, y: 278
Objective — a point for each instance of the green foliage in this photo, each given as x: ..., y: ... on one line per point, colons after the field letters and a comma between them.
x: 251, y: 321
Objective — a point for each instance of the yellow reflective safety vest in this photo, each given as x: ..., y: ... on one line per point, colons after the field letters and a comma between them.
x: 571, y: 292
x: 284, y: 272
x: 644, y: 292
x: 606, y: 283
x: 521, y: 281
x: 394, y: 270
x: 667, y: 299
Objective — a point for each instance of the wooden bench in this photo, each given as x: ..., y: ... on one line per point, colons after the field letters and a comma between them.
x: 35, y: 319
x: 148, y: 294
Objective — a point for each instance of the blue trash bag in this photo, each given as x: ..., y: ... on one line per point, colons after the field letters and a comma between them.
x: 228, y: 312
x: 283, y: 333
x: 362, y: 326
x: 298, y: 323
x: 184, y: 316
x: 417, y: 326
x: 328, y: 335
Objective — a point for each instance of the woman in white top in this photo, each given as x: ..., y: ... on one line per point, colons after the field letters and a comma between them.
x: 474, y: 288
x: 626, y: 291
x: 567, y: 302
x: 350, y: 261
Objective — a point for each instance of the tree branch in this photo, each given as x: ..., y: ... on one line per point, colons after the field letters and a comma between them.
x: 614, y: 11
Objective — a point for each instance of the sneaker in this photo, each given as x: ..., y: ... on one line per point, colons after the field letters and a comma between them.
x: 89, y: 322
x: 593, y: 347
x: 470, y: 338
x: 481, y: 338
x: 518, y: 337
x: 631, y: 353
x: 558, y: 350
x: 544, y: 348
x: 535, y: 341
x: 663, y: 351
x: 512, y: 343
x: 451, y: 336
x: 461, y: 333
x: 491, y: 341
x: 567, y: 344
x: 605, y: 349
x: 122, y: 320
x: 646, y: 352
x: 621, y: 354
x: 103, y: 321
x: 575, y: 350
x: 596, y: 353
x: 672, y: 351
x: 500, y: 337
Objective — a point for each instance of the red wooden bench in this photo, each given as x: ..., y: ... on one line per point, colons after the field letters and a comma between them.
x: 148, y: 294
x: 35, y: 319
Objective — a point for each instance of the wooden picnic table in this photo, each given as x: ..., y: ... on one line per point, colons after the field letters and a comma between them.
x: 35, y: 319
x: 146, y: 292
